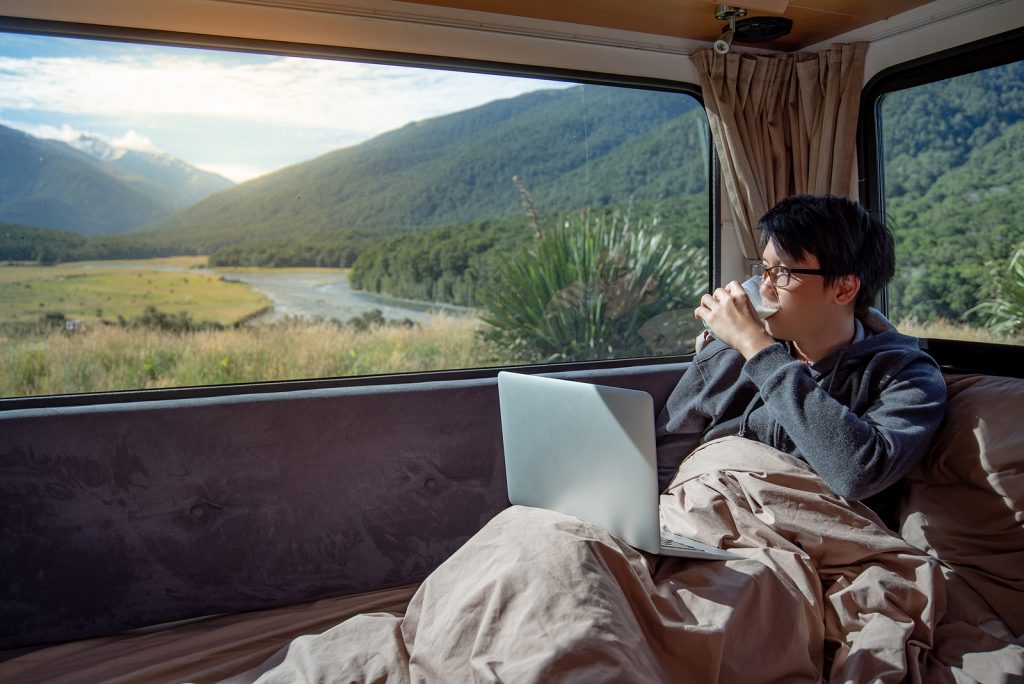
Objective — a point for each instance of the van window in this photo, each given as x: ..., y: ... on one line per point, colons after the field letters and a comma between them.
x: 173, y: 216
x: 953, y: 159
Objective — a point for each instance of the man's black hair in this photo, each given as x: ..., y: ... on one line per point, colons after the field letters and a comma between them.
x: 842, y: 234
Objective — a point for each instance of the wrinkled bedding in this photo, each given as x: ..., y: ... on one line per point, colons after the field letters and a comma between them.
x: 823, y: 592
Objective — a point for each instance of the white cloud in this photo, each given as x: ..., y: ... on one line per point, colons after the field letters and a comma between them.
x: 96, y: 144
x: 324, y: 94
x: 133, y: 140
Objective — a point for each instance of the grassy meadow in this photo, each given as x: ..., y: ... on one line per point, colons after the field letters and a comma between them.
x: 37, y: 359
x: 94, y: 292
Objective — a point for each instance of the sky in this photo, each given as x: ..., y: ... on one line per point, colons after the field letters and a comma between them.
x: 236, y: 114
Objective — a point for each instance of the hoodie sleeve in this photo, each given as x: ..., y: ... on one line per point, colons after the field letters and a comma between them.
x: 709, y: 390
x: 680, y: 424
x: 857, y: 455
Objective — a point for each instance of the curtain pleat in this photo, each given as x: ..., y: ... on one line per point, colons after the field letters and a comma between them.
x: 783, y: 124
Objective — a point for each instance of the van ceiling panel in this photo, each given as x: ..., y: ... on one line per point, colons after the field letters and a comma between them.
x: 813, y: 20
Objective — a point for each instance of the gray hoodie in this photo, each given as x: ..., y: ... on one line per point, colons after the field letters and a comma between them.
x: 861, y: 417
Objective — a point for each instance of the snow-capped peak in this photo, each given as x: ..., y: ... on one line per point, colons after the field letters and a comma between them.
x: 94, y: 146
x: 104, y: 148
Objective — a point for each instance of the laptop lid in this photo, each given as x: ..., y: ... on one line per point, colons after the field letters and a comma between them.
x: 583, y: 450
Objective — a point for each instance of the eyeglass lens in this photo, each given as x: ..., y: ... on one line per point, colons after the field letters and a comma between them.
x: 777, y: 275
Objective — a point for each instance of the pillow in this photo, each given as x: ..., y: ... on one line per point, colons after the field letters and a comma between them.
x: 964, y: 502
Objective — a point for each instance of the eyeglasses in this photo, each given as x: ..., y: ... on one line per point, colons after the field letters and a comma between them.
x: 779, y: 275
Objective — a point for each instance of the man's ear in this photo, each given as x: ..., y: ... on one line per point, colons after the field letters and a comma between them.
x: 845, y: 289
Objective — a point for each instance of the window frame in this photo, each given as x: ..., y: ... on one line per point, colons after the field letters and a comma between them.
x: 993, y: 51
x: 390, y: 58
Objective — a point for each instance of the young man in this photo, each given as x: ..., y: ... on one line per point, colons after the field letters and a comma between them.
x: 826, y: 378
x: 538, y: 596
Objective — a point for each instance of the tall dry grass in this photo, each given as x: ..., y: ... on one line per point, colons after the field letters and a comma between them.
x: 112, y: 358
x: 951, y: 330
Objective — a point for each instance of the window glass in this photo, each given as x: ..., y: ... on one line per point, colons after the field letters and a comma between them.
x: 177, y: 217
x: 953, y: 154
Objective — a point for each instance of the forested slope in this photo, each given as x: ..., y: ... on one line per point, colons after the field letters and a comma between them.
x: 954, y: 180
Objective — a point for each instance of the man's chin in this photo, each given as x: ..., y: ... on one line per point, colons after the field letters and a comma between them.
x: 776, y: 331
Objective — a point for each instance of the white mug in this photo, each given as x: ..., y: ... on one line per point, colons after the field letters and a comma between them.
x: 764, y: 308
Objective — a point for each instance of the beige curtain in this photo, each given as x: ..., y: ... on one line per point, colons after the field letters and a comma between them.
x: 783, y: 124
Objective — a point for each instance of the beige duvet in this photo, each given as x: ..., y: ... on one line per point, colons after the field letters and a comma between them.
x: 823, y: 592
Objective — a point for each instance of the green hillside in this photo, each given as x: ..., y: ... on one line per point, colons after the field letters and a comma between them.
x: 932, y: 129
x: 572, y: 147
x: 954, y: 179
x: 950, y: 238
x: 168, y: 178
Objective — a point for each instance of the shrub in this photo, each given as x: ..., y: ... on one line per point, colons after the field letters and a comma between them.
x: 154, y: 319
x: 1004, y: 312
x: 594, y: 287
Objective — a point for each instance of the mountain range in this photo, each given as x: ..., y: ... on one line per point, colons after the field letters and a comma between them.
x: 92, y: 188
x: 572, y: 147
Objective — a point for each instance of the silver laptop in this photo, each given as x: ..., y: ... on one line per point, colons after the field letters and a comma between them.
x: 588, y: 451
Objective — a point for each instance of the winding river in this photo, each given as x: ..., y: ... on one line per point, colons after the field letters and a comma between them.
x: 308, y: 294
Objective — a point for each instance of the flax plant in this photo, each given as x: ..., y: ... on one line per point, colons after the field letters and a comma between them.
x: 594, y: 287
x: 1003, y: 314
